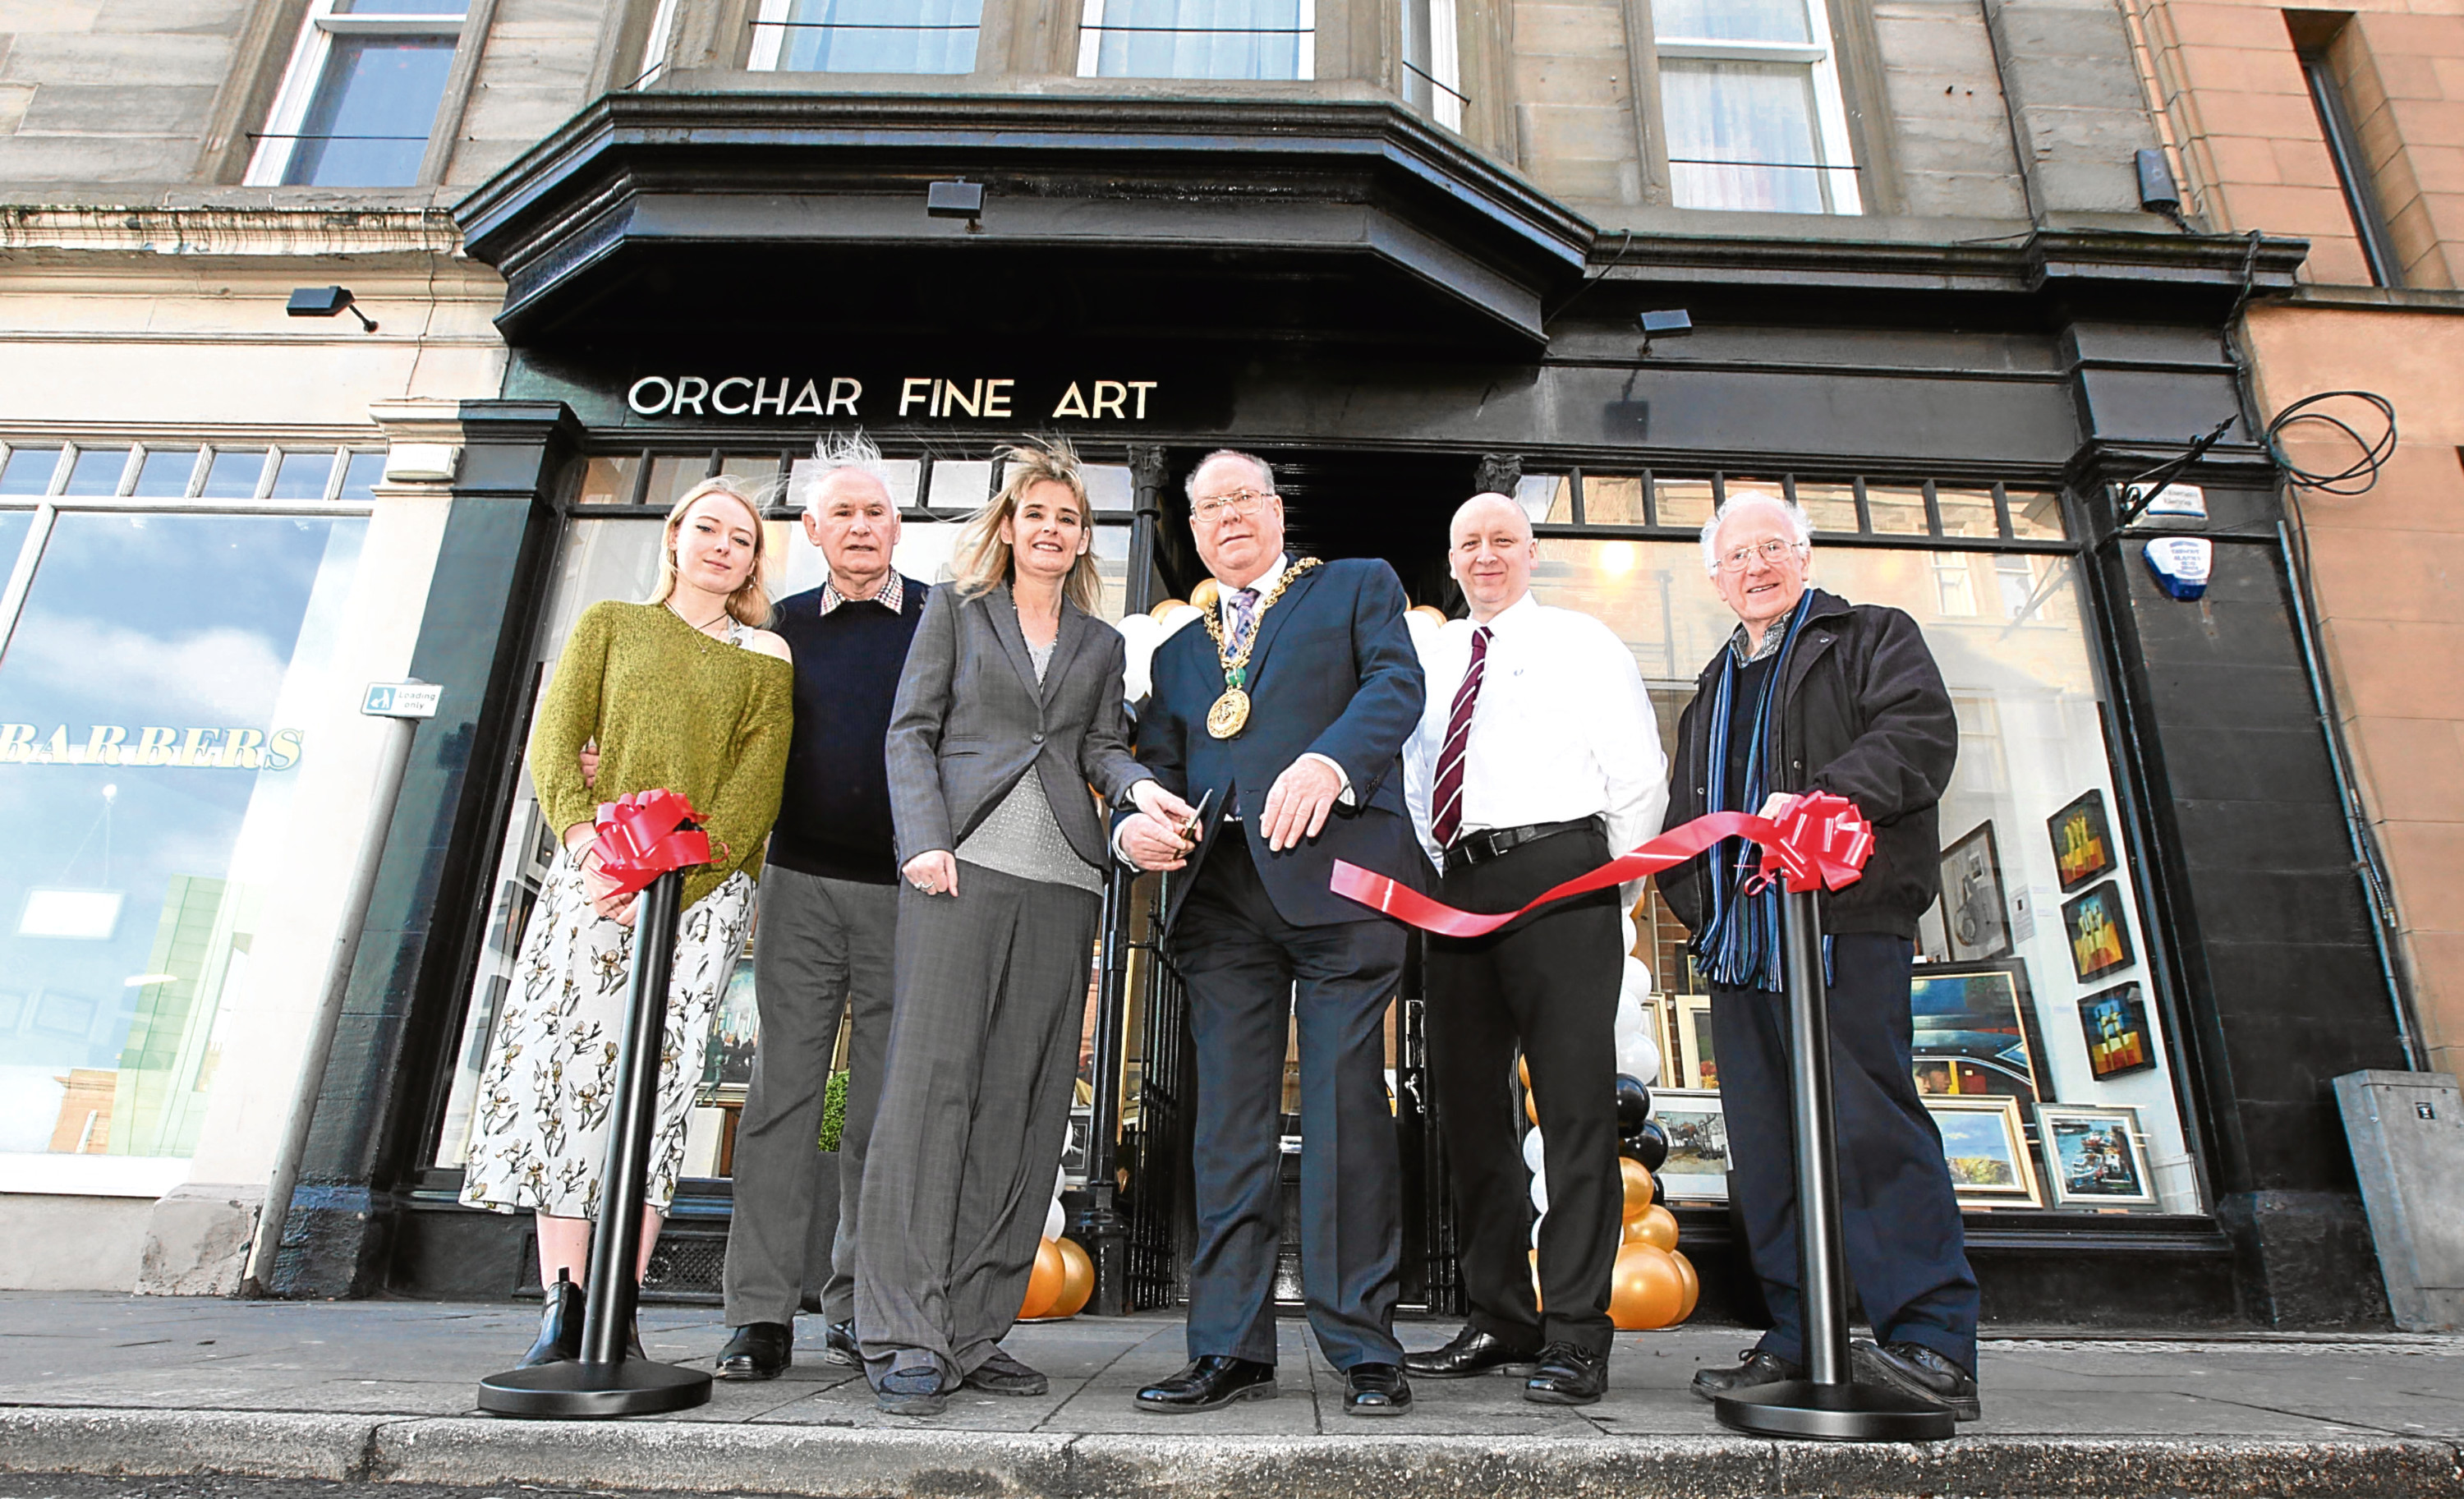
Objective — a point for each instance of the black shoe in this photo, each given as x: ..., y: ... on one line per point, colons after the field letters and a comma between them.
x: 559, y: 1335
x: 1914, y: 1369
x: 758, y: 1351
x: 1473, y: 1352
x: 1002, y: 1375
x: 913, y: 1391
x: 1210, y: 1383
x: 1375, y: 1390
x: 838, y: 1346
x: 1569, y: 1375
x: 1754, y: 1369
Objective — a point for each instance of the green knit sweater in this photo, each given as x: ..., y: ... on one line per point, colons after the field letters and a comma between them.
x: 670, y: 708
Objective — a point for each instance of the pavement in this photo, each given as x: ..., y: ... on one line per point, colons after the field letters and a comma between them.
x: 384, y: 1392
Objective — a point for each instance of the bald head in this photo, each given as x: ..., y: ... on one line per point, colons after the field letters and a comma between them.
x: 1490, y: 552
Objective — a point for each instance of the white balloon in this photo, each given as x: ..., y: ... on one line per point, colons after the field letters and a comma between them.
x: 1053, y: 1220
x: 1140, y: 634
x: 1637, y: 1058
x: 1531, y: 1150
x: 1633, y: 933
x: 1634, y: 985
x: 1424, y: 630
x: 1178, y: 618
x: 1540, y: 1191
x: 1535, y: 1231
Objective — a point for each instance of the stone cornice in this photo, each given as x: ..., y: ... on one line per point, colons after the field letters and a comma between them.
x: 227, y: 231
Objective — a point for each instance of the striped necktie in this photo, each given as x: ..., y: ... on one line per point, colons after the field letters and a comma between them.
x: 1245, y: 616
x: 1447, y: 796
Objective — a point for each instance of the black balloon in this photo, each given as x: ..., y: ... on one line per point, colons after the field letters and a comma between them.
x: 1632, y: 1103
x: 1648, y: 1144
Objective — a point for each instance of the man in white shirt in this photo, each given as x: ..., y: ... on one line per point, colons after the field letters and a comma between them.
x: 1536, y: 760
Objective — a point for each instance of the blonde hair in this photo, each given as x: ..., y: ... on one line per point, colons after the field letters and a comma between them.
x: 750, y: 603
x: 982, y: 558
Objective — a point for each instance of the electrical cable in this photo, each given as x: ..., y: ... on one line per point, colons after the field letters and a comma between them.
x: 2359, y: 476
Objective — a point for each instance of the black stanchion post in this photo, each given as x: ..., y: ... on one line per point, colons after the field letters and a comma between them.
x: 605, y: 1382
x: 1827, y: 1404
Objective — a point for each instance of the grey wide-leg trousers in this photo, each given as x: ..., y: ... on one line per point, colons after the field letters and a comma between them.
x: 822, y: 945
x: 983, y: 1051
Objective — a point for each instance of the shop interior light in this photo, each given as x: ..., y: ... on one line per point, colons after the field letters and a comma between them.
x: 325, y: 301
x: 87, y: 915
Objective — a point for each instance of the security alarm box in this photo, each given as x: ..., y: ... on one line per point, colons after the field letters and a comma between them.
x: 2406, y: 1131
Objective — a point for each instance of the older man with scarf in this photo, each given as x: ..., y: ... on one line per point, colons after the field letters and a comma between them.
x: 1814, y: 693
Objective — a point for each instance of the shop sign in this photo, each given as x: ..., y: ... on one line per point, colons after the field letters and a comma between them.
x: 931, y: 397
x: 181, y: 748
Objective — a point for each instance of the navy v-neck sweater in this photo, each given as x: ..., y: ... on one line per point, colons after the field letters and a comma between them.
x: 834, y: 820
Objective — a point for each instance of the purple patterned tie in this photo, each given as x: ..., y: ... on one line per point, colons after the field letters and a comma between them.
x: 1244, y: 615
x: 1447, y: 798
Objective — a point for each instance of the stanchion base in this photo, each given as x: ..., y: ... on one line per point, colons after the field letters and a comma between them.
x: 1832, y: 1413
x: 594, y: 1392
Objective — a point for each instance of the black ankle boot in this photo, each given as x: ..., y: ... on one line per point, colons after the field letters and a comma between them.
x: 559, y: 1338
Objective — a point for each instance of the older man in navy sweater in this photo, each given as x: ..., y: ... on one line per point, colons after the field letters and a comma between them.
x: 829, y: 911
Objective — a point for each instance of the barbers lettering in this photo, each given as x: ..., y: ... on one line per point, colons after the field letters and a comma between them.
x: 184, y: 748
x: 918, y: 397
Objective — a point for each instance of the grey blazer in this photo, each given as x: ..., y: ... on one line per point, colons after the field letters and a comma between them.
x: 970, y: 719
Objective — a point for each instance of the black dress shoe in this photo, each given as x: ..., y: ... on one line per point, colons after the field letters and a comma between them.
x: 759, y: 1350
x: 1754, y: 1368
x: 1375, y: 1390
x: 1000, y: 1374
x: 1210, y: 1383
x: 559, y: 1334
x: 1914, y: 1369
x: 838, y: 1346
x: 1472, y: 1352
x: 1569, y: 1375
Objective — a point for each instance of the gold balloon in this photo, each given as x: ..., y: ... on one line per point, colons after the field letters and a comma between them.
x: 1164, y: 610
x: 1535, y: 1280
x: 1436, y: 615
x: 1693, y: 1284
x: 1637, y: 1187
x: 1044, y: 1283
x: 1656, y: 1227
x: 1202, y: 597
x: 1645, y: 1289
x: 1523, y: 1071
x: 1531, y: 1107
x: 1079, y: 1280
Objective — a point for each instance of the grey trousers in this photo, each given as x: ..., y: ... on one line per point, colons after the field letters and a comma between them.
x: 822, y: 944
x: 983, y: 1051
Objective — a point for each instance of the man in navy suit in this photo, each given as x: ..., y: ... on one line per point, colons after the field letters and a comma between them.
x: 1291, y: 712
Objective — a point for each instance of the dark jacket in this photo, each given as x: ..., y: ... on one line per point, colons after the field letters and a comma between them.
x: 971, y: 720
x: 1335, y: 672
x: 1862, y: 714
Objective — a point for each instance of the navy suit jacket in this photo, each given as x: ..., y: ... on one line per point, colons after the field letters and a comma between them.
x: 1334, y: 671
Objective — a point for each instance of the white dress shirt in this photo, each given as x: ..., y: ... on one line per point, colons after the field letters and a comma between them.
x: 1562, y: 730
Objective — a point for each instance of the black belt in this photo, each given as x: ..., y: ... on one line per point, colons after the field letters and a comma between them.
x: 1485, y: 844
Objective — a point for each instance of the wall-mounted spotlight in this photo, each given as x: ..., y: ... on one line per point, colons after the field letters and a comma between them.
x: 1673, y: 322
x: 955, y: 200
x: 325, y: 301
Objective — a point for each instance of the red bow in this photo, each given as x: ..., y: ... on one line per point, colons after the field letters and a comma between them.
x: 1819, y: 839
x: 644, y: 834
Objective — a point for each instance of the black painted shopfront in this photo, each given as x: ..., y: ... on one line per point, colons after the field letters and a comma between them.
x: 699, y: 284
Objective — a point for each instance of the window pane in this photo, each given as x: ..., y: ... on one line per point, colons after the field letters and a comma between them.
x: 960, y: 484
x: 2036, y: 515
x: 1831, y: 507
x: 1741, y: 135
x: 756, y: 470
x: 1113, y: 568
x: 361, y: 473
x: 1896, y: 511
x: 610, y: 481
x: 303, y: 475
x: 152, y: 709
x: 1966, y: 512
x: 882, y: 36
x: 1613, y: 499
x: 96, y: 471
x: 234, y: 474
x: 166, y: 473
x: 1111, y: 487
x: 1730, y: 20
x: 1683, y: 502
x: 1547, y: 499
x: 13, y: 526
x: 29, y: 471
x: 1201, y: 39
x: 670, y: 478
x: 369, y: 124
x: 1735, y: 487
x: 400, y: 7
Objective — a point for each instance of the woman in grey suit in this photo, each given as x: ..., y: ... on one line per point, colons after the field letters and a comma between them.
x: 1008, y: 711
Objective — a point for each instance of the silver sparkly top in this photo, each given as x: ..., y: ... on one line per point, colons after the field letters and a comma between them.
x: 1020, y: 838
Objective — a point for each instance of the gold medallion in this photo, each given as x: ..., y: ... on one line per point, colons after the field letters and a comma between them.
x: 1230, y: 713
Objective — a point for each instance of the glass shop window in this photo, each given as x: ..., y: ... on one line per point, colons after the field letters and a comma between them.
x: 2040, y: 1047
x: 152, y: 699
x: 360, y: 99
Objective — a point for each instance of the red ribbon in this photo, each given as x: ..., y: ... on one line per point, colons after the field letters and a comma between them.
x: 644, y: 834
x: 1819, y: 839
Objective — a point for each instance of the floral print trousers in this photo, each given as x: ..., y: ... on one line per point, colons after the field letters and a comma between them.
x: 547, y: 1096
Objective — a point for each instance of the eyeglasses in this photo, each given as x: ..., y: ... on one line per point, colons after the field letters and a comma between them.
x: 1239, y: 502
x: 1771, y: 551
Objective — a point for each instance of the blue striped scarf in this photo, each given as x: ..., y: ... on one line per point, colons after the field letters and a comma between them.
x: 1739, y: 943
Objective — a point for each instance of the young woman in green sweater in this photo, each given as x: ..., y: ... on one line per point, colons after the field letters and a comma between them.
x: 685, y: 693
